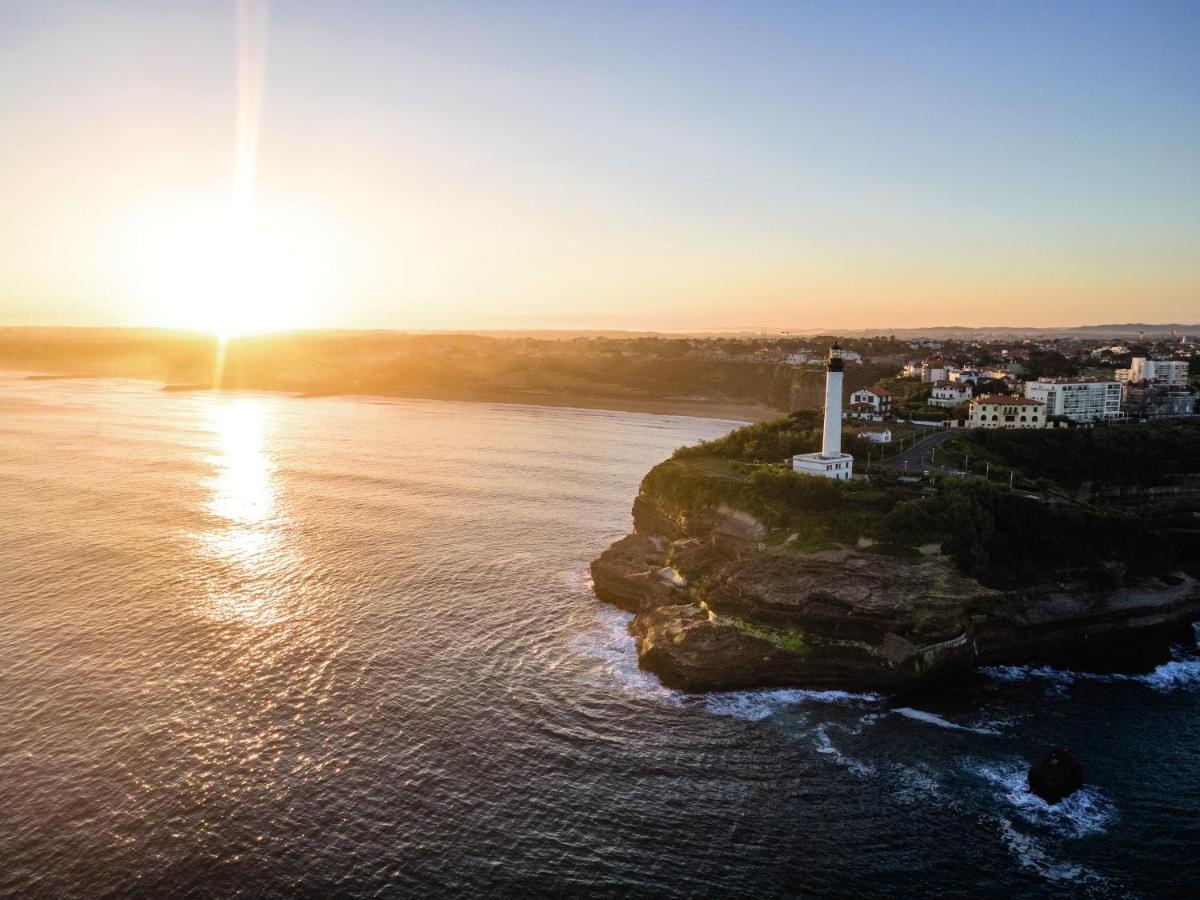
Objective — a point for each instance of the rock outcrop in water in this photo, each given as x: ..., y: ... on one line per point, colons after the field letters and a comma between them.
x: 1056, y: 776
x: 719, y: 607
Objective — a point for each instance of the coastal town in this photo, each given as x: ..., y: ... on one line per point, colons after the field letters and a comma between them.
x: 1009, y: 378
x: 959, y: 391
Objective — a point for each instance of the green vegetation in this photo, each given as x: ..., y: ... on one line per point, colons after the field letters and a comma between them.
x: 764, y: 442
x: 1004, y: 538
x: 1001, y: 536
x: 1069, y: 458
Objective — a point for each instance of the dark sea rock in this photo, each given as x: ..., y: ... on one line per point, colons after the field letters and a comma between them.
x: 1056, y: 776
x: 717, y: 609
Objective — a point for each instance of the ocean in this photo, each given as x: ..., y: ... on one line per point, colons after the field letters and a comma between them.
x: 268, y: 646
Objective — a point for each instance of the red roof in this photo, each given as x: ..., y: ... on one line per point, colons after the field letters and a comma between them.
x: 1005, y: 400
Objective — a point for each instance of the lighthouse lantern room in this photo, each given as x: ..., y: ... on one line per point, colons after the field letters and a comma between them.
x: 831, y: 462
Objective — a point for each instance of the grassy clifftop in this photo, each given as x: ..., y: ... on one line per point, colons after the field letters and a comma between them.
x: 1000, y: 536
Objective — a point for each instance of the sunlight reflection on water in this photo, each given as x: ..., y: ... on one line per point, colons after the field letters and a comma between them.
x: 244, y: 539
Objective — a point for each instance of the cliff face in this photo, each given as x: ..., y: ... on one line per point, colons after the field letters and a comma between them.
x: 718, y: 609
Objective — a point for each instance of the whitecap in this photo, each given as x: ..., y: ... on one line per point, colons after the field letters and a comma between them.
x: 932, y: 719
x: 1178, y: 674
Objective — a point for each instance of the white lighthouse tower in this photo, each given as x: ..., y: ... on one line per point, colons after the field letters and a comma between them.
x: 831, y: 462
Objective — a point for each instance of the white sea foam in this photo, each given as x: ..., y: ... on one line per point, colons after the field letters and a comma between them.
x: 1084, y: 813
x: 761, y: 704
x: 1031, y: 855
x: 1178, y: 674
x: 825, y: 746
x: 931, y: 719
x: 614, y: 647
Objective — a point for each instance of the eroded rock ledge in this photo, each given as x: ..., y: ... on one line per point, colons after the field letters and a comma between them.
x: 717, y: 609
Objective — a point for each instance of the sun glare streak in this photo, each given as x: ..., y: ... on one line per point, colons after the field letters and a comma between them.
x: 234, y: 259
x: 251, y: 74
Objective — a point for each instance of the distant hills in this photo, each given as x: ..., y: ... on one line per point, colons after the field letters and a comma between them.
x: 1127, y: 329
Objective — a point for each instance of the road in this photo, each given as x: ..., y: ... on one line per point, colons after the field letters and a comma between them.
x: 917, y: 456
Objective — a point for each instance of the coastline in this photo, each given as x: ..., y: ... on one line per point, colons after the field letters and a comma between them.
x: 733, y: 412
x: 703, y: 409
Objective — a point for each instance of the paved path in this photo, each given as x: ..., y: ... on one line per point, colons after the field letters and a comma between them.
x: 918, y: 455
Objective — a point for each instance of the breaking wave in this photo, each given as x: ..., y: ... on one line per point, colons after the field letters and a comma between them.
x: 1178, y: 674
x: 761, y: 704
x: 1086, y: 812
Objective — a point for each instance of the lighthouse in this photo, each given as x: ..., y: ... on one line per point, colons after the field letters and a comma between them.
x: 831, y: 462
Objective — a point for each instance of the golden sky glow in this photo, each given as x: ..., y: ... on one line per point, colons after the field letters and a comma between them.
x: 224, y: 167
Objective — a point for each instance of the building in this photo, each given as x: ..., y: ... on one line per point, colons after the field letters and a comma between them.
x: 880, y: 434
x: 878, y: 398
x: 949, y: 394
x: 1079, y: 399
x: 1171, y: 372
x: 831, y: 462
x: 1147, y: 400
x: 934, y: 370
x: 864, y: 412
x: 1003, y: 411
x: 851, y: 356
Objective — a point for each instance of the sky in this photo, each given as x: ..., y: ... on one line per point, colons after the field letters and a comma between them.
x: 645, y: 165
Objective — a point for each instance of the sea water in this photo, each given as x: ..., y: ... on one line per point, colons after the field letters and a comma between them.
x: 348, y: 646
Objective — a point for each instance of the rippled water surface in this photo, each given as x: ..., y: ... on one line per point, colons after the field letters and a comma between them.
x: 348, y: 647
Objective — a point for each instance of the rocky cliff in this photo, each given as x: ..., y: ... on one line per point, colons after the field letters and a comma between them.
x: 719, y: 606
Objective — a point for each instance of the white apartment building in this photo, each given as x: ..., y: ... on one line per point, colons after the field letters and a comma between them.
x: 1079, y: 399
x: 934, y: 370
x: 1003, y: 411
x: 1171, y: 372
x: 949, y: 394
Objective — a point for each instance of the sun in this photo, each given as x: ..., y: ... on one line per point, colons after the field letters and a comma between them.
x: 230, y: 270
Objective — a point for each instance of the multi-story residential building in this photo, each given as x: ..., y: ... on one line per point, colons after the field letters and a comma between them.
x: 1146, y: 400
x: 949, y: 394
x: 934, y: 369
x: 1003, y: 411
x: 1171, y: 372
x: 1078, y: 399
x: 878, y: 398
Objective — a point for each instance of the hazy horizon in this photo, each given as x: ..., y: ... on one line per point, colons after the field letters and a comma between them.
x: 668, y: 167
